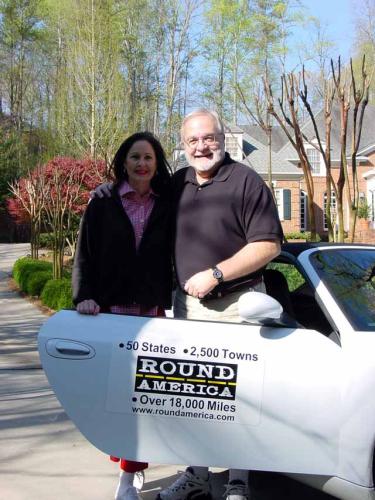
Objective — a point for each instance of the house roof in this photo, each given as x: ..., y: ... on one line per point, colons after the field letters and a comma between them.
x: 256, y: 155
x: 367, y: 135
x: 231, y: 128
x: 255, y: 141
x: 277, y: 138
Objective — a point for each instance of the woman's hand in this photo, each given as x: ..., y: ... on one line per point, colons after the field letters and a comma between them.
x: 88, y: 307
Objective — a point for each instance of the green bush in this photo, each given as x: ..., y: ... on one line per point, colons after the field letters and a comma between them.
x: 292, y: 275
x: 308, y: 237
x: 46, y: 240
x: 364, y: 210
x: 296, y: 235
x: 19, y: 266
x: 25, y: 267
x: 57, y: 294
x: 36, y: 282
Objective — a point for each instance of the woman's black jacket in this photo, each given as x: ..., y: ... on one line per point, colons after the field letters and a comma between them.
x: 107, y: 266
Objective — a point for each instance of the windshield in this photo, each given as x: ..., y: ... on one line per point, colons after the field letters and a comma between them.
x: 349, y: 274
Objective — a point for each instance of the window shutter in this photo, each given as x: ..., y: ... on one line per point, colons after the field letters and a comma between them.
x: 307, y: 214
x: 287, y: 204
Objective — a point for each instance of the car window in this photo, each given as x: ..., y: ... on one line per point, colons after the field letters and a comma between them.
x: 349, y: 274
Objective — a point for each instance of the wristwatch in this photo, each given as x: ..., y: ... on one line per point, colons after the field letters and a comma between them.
x: 217, y: 274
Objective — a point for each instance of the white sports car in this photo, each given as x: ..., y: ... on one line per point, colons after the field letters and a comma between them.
x: 289, y: 390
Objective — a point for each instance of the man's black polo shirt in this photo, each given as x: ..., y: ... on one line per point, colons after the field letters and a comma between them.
x: 216, y: 219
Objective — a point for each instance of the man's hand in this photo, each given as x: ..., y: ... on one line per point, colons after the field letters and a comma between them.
x: 200, y: 284
x: 249, y: 259
x: 88, y: 307
x: 104, y: 190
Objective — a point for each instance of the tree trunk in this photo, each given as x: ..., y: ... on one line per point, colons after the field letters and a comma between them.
x: 310, y: 200
x: 352, y: 222
x: 269, y: 166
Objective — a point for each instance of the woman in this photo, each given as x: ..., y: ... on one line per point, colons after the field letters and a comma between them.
x: 123, y: 259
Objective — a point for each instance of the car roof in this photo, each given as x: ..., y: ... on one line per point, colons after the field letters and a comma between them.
x: 296, y: 248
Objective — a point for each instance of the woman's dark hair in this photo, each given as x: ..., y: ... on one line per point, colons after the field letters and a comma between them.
x: 161, y: 179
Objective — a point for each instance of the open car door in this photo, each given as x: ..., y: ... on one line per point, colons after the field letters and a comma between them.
x: 217, y: 394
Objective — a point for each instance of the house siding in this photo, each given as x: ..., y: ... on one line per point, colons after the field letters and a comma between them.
x: 292, y: 225
x: 363, y: 233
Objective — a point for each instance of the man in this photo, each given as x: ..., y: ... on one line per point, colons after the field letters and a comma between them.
x: 227, y: 230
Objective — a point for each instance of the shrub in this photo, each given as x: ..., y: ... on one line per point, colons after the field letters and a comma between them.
x: 18, y: 267
x: 46, y: 240
x: 308, y: 237
x: 296, y: 235
x: 25, y: 267
x: 36, y: 282
x: 57, y: 294
x: 364, y: 210
x: 292, y: 275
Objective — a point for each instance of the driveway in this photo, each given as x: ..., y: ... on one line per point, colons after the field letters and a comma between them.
x: 42, y: 456
x: 19, y: 319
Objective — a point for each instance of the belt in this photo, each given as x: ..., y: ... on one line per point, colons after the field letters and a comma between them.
x: 238, y: 287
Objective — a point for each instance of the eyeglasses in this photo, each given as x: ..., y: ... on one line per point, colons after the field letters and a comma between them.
x: 208, y: 140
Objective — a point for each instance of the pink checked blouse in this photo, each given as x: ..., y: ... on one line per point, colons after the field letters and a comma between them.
x: 138, y: 208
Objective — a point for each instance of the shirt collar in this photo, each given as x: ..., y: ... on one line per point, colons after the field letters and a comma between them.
x: 221, y: 174
x: 125, y: 188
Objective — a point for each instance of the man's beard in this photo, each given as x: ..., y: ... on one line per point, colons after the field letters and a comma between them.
x: 204, y: 164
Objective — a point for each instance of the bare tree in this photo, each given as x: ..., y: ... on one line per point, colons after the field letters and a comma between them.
x: 342, y: 87
x: 30, y: 202
x: 288, y: 117
x: 62, y: 192
x: 262, y: 118
x: 325, y: 151
x: 347, y: 92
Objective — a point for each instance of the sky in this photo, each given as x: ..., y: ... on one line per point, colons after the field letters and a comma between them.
x: 337, y: 18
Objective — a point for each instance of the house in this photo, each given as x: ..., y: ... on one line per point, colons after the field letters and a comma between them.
x: 250, y: 142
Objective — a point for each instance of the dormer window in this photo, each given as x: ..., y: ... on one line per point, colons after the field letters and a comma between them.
x: 233, y: 145
x: 314, y: 157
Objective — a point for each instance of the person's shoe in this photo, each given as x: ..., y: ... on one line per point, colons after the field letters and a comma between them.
x: 187, y: 487
x: 236, y: 490
x: 127, y: 493
x: 126, y: 490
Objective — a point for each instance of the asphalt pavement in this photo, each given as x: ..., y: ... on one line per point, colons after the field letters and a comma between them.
x: 42, y: 455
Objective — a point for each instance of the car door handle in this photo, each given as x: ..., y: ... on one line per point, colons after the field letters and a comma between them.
x: 69, y: 349
x: 72, y: 349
